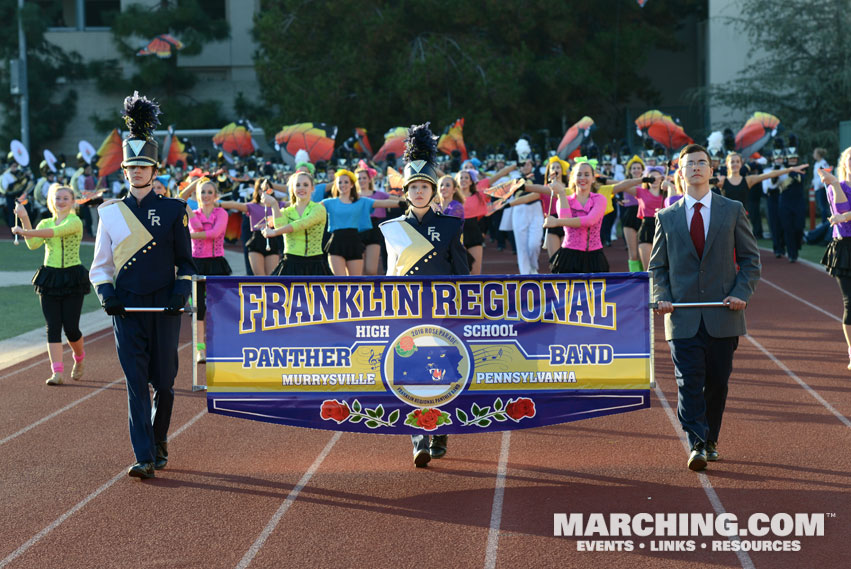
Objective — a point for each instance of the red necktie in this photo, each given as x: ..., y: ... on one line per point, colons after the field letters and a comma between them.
x: 697, y: 235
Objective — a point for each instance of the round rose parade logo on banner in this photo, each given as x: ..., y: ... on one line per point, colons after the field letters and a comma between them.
x: 429, y: 366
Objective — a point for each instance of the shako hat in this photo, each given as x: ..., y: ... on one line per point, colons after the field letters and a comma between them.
x: 141, y: 116
x: 420, y: 153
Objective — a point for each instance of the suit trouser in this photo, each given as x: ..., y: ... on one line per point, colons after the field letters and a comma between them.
x: 773, y: 212
x: 147, y: 350
x: 528, y: 223
x: 420, y: 442
x: 702, y: 367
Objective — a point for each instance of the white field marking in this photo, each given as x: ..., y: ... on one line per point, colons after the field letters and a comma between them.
x: 496, y: 508
x: 64, y: 351
x: 744, y: 558
x: 842, y: 418
x: 801, y: 300
x: 82, y: 503
x: 291, y: 497
x: 67, y: 407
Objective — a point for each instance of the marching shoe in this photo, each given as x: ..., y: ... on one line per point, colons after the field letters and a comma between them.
x: 697, y: 458
x: 421, y: 458
x: 55, y: 379
x: 712, y: 451
x: 162, y: 456
x: 438, y: 446
x: 201, y: 358
x: 77, y: 371
x: 142, y: 470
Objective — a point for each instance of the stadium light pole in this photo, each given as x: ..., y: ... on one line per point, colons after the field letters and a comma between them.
x: 22, y: 67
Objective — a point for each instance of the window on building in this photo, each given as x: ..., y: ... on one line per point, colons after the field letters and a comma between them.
x: 215, y: 9
x: 99, y: 13
x: 61, y: 14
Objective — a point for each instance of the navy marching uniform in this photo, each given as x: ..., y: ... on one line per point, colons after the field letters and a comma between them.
x: 425, y: 248
x: 429, y: 245
x: 139, y: 244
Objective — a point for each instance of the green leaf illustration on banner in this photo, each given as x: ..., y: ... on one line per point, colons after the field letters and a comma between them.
x: 428, y: 419
x: 340, y: 411
x: 406, y: 347
x: 515, y: 409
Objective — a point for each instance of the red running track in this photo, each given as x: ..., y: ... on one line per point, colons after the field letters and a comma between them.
x: 244, y: 494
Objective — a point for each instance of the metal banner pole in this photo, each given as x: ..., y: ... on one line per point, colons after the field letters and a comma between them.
x: 195, y: 333
x: 652, y: 336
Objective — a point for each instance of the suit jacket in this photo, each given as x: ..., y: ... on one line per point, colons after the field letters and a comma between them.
x: 680, y: 276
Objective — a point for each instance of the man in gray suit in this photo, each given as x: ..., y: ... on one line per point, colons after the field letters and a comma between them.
x: 704, y: 251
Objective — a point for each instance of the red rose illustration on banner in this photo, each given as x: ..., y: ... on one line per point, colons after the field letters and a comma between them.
x: 406, y: 343
x: 427, y: 420
x: 333, y: 409
x: 522, y: 407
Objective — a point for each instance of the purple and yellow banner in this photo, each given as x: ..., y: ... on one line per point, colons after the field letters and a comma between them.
x: 396, y: 355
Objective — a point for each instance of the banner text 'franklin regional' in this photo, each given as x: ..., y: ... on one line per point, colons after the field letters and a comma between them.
x: 271, y: 306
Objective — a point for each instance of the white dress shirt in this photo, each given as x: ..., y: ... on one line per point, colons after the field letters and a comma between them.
x: 706, y: 201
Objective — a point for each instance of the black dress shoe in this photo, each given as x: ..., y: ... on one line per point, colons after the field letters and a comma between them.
x: 712, y: 451
x: 438, y: 446
x: 142, y: 470
x: 422, y: 458
x: 697, y: 458
x: 162, y: 456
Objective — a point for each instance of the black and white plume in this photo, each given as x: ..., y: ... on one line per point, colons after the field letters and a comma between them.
x: 420, y: 144
x: 141, y: 116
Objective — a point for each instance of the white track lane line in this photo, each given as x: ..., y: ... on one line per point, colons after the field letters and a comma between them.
x: 842, y: 418
x: 744, y: 558
x: 69, y: 406
x: 82, y: 503
x: 496, y: 508
x: 801, y: 300
x: 46, y: 360
x: 291, y: 497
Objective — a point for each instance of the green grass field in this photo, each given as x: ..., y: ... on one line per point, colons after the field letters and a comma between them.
x: 21, y: 258
x: 19, y: 307
x: 812, y: 253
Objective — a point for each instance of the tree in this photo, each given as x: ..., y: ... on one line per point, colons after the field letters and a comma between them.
x: 801, y: 67
x: 158, y: 78
x: 507, y: 67
x: 46, y: 66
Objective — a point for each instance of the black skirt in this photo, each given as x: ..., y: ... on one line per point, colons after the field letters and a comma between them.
x: 629, y: 217
x: 257, y: 244
x: 575, y: 261
x: 52, y: 281
x: 372, y: 236
x: 345, y: 243
x: 212, y: 266
x: 837, y: 257
x: 559, y: 231
x: 299, y: 266
x: 472, y: 232
x: 647, y: 230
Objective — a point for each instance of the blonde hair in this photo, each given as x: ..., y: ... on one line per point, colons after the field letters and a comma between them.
x: 729, y: 158
x: 842, y: 173
x: 456, y: 188
x: 51, y: 195
x: 595, y: 185
x: 200, y: 186
x: 293, y: 180
x: 335, y: 189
